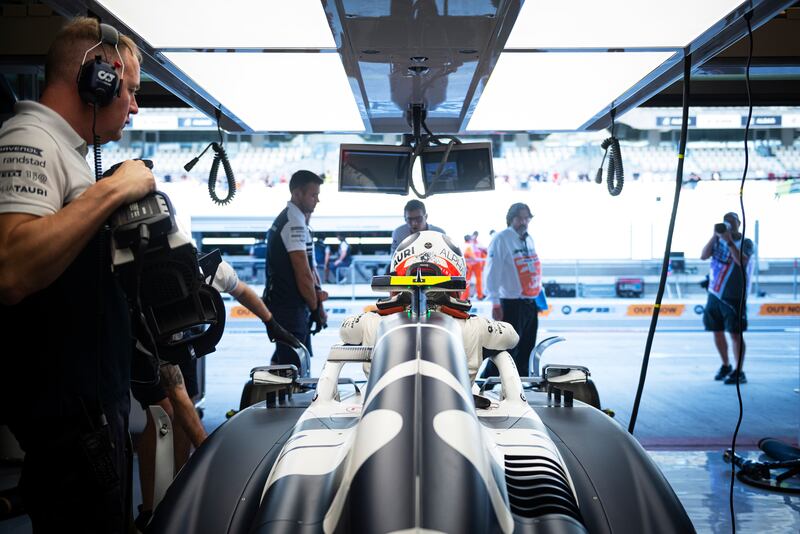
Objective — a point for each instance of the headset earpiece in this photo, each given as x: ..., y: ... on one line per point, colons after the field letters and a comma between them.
x: 98, y: 81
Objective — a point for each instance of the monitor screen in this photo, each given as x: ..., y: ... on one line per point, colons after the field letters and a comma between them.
x: 374, y: 169
x: 468, y: 168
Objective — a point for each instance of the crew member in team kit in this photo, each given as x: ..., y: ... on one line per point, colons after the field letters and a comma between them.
x: 513, y: 281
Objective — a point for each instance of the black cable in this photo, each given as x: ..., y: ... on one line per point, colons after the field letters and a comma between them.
x: 414, y: 155
x: 152, y: 356
x: 101, y: 265
x: 743, y: 296
x: 616, y: 175
x: 662, y: 283
x: 420, y: 143
x: 220, y: 157
x: 98, y: 157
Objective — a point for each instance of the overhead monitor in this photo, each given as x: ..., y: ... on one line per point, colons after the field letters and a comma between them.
x: 374, y: 169
x: 468, y: 167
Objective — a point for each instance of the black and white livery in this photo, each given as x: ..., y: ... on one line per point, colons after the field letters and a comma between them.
x: 414, y: 454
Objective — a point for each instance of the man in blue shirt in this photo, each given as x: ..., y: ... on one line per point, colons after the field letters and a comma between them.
x: 723, y: 311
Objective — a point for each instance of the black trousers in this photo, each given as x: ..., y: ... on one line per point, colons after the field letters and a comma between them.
x: 59, y: 485
x: 523, y: 315
x: 295, y: 320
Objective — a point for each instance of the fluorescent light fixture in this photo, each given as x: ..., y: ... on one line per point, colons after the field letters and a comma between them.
x: 615, y: 23
x: 557, y: 91
x: 231, y: 24
x: 277, y: 92
x: 360, y: 240
x: 229, y: 240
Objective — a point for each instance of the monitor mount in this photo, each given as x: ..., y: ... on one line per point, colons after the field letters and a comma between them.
x: 415, y: 116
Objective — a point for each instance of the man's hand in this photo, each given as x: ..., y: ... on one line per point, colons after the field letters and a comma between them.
x: 497, y: 312
x: 134, y: 180
x: 727, y: 237
x: 318, y: 320
x: 277, y: 333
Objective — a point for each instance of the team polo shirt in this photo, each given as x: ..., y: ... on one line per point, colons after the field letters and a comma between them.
x: 75, y: 333
x: 225, y: 279
x: 513, y: 267
x: 288, y: 233
x: 725, y: 276
x: 42, y: 162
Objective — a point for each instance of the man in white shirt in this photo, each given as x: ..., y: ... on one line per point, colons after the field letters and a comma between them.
x: 513, y: 281
x: 58, y: 297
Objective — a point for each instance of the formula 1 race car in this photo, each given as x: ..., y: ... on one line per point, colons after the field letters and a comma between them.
x: 418, y: 451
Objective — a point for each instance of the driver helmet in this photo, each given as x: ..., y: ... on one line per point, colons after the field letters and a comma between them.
x: 430, y: 253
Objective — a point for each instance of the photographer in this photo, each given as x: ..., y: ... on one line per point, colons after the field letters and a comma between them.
x: 64, y: 392
x: 723, y: 311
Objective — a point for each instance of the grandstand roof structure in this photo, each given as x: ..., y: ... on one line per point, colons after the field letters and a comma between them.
x: 476, y: 66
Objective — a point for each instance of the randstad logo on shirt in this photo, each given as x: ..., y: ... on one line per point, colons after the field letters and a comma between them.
x: 24, y: 160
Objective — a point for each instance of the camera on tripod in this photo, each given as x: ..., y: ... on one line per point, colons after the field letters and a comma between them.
x: 722, y: 227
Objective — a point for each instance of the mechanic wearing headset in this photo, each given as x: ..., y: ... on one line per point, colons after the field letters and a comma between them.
x: 65, y: 394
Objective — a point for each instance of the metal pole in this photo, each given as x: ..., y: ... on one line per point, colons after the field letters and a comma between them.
x: 577, y: 280
x: 794, y: 280
x: 353, y: 280
x: 757, y: 289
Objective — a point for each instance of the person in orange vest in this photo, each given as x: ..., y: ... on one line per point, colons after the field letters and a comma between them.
x: 474, y: 267
x: 480, y: 260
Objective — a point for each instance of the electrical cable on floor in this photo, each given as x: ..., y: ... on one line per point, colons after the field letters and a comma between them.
x: 742, y: 267
x: 662, y: 283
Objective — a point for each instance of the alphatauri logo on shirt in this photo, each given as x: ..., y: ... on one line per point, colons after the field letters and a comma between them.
x: 23, y: 189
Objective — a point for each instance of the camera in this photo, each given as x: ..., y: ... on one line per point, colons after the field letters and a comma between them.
x: 722, y: 227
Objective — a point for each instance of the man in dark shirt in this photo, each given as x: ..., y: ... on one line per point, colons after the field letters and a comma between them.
x: 292, y: 290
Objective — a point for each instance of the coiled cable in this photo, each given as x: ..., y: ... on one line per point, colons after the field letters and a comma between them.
x: 98, y: 157
x: 220, y: 156
x: 615, y: 176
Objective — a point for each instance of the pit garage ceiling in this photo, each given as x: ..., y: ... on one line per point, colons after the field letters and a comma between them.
x: 476, y: 65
